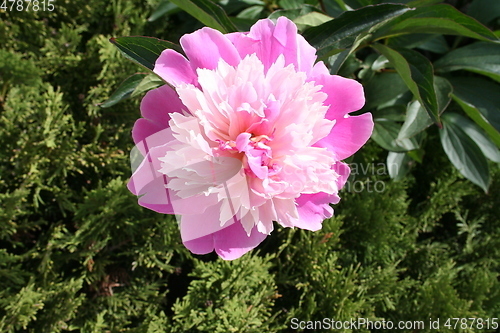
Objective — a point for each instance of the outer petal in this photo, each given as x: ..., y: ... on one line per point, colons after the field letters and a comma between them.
x: 313, y: 209
x: 269, y: 41
x: 229, y: 243
x: 344, y: 95
x: 156, y: 106
x: 348, y: 135
x: 149, y: 184
x: 205, y: 47
x: 174, y: 68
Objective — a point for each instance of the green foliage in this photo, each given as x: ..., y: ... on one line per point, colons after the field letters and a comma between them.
x: 78, y: 254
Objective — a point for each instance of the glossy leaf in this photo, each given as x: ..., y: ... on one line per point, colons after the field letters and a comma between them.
x: 484, y: 11
x: 208, y: 13
x: 417, y: 73
x: 143, y: 50
x: 341, y: 33
x: 312, y: 19
x: 480, y: 99
x: 437, y: 19
x: 417, y: 118
x: 125, y: 90
x: 165, y: 7
x: 385, y: 133
x: 384, y: 89
x: 464, y: 153
x: 477, y: 135
x: 294, y: 13
x: 398, y: 165
x: 481, y: 57
x: 149, y: 82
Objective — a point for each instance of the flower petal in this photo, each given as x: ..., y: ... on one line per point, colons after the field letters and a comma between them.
x: 205, y: 47
x: 314, y: 208
x: 229, y: 243
x: 348, y: 135
x: 269, y: 41
x: 172, y: 67
x: 156, y: 107
x: 344, y: 95
x: 149, y: 184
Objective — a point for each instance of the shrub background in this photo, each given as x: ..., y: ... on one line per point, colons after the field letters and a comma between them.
x: 78, y: 254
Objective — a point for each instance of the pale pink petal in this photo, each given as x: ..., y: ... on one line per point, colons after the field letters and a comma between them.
x: 344, y: 95
x: 205, y: 47
x: 172, y: 67
x: 149, y: 184
x: 313, y: 209
x: 348, y: 135
x: 229, y: 243
x: 269, y: 41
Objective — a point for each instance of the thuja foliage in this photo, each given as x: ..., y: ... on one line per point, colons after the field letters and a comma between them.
x: 78, y: 254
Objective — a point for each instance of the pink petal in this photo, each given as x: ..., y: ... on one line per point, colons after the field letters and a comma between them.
x: 172, y: 67
x: 313, y: 209
x: 205, y: 47
x: 269, y: 41
x: 156, y: 107
x: 229, y: 243
x: 149, y: 184
x: 348, y: 135
x: 344, y: 95
x: 343, y: 170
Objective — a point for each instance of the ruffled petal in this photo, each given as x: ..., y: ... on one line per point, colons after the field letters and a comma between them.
x: 344, y: 95
x: 313, y: 209
x: 348, y: 135
x: 229, y: 243
x: 269, y: 41
x: 205, y: 47
x: 172, y: 67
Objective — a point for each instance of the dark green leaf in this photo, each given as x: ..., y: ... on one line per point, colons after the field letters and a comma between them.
x: 436, y: 44
x: 420, y: 3
x: 480, y: 57
x: 417, y: 118
x: 480, y: 99
x: 341, y: 33
x: 151, y: 81
x: 484, y: 11
x: 430, y: 42
x: 143, y: 50
x: 464, y: 153
x: 385, y: 133
x: 252, y: 13
x: 292, y: 14
x: 125, y: 90
x: 437, y: 19
x: 416, y: 71
x: 385, y: 89
x: 477, y: 135
x: 291, y: 4
x: 164, y: 8
x: 208, y: 13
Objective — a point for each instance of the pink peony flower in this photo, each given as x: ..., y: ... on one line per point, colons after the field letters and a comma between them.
x: 249, y: 130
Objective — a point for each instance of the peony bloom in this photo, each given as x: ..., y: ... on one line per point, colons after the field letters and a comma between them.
x: 249, y: 130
